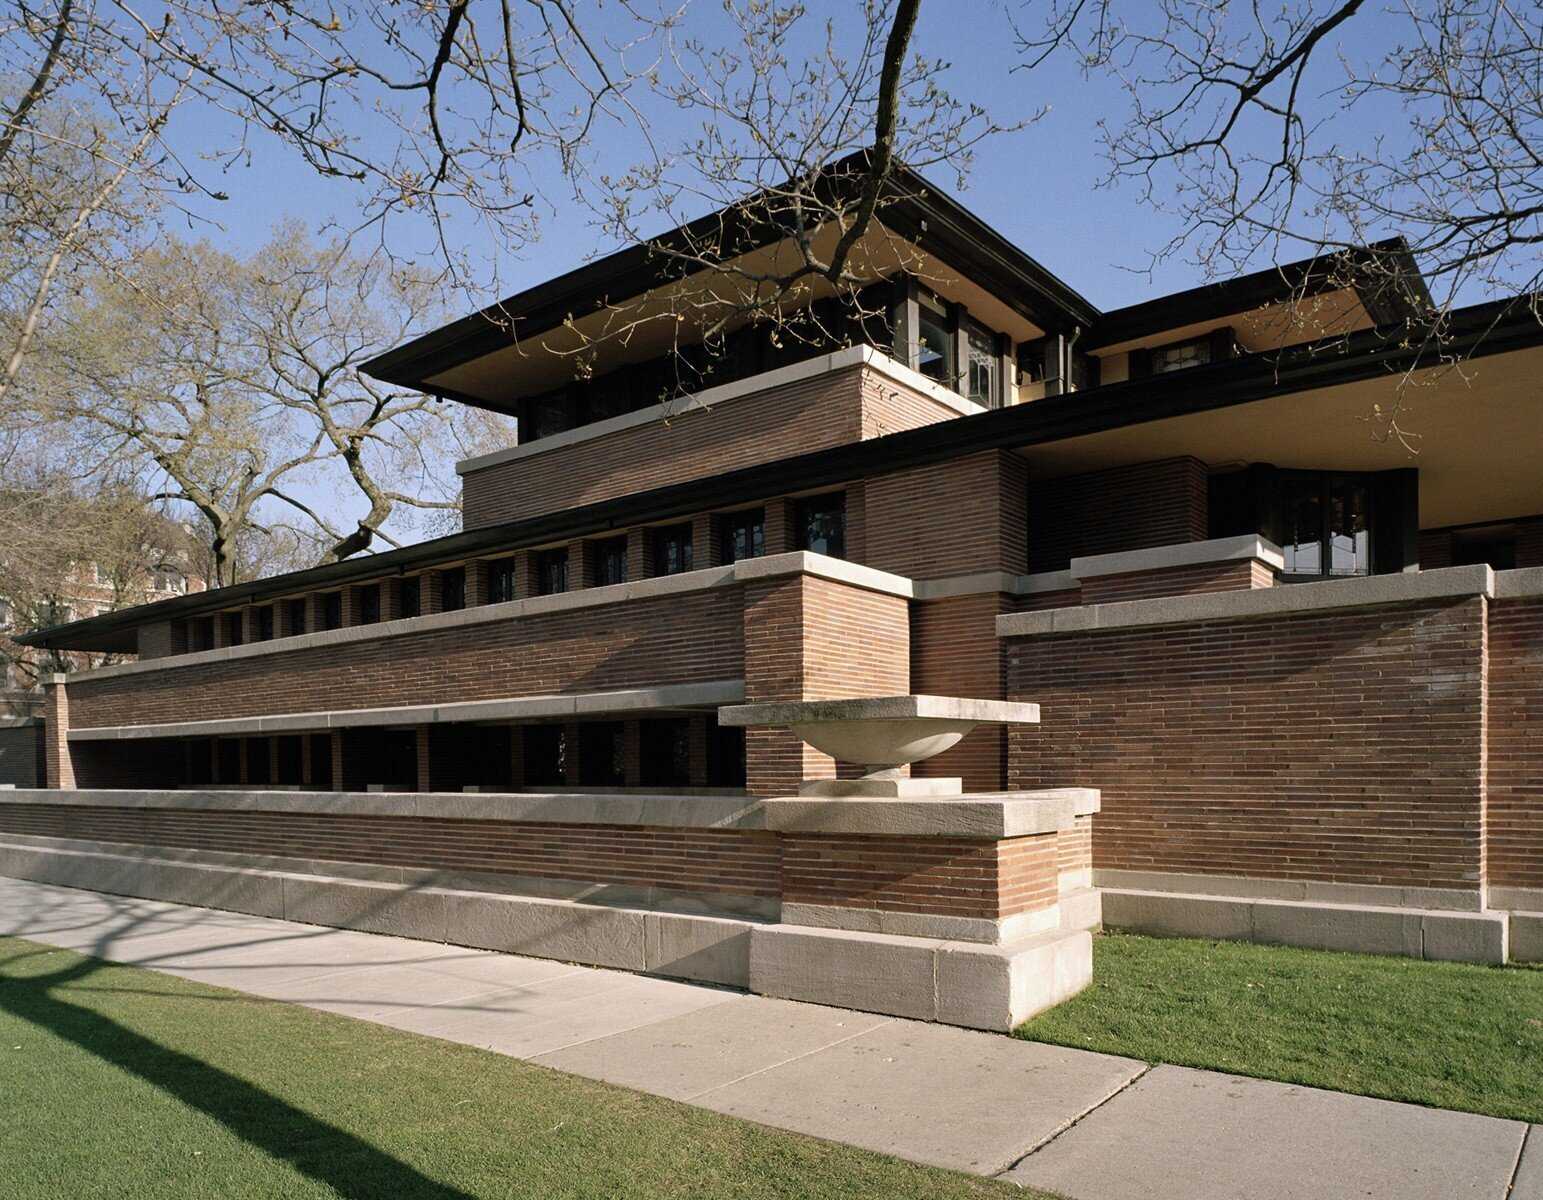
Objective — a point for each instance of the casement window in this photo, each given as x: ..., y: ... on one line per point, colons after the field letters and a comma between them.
x: 602, y: 754
x: 263, y: 624
x: 934, y: 339
x: 743, y: 535
x: 1326, y: 524
x: 452, y: 589
x: 822, y: 524
x: 726, y: 756
x: 1216, y: 346
x: 500, y: 580
x: 369, y: 604
x: 294, y: 617
x: 201, y: 634
x: 664, y: 747
x: 332, y: 610
x: 551, y: 571
x: 610, y: 561
x: 672, y: 549
x: 545, y: 755
x: 410, y: 596
x: 982, y: 381
x: 235, y: 628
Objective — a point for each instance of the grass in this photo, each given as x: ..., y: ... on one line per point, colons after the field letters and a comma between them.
x: 120, y: 1082
x: 1448, y: 1035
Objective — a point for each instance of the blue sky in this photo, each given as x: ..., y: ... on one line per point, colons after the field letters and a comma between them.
x: 1038, y: 186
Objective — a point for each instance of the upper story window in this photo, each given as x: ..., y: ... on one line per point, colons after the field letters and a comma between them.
x: 500, y: 580
x: 672, y: 549
x: 295, y: 616
x: 332, y: 610
x: 201, y: 634
x: 452, y: 589
x: 410, y: 596
x: 610, y: 561
x: 546, y: 755
x: 983, y: 371
x: 744, y: 535
x: 552, y: 571
x: 263, y: 624
x: 602, y: 754
x: 235, y: 628
x: 1211, y: 347
x: 369, y: 604
x: 1326, y: 524
x: 822, y: 524
x: 1494, y: 545
x: 934, y: 340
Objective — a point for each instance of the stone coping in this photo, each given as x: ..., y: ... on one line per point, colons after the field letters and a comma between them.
x: 985, y: 816
x: 1245, y: 604
x: 1012, y: 814
x: 810, y: 368
x: 881, y: 708
x: 1179, y: 554
x: 798, y: 562
x: 670, y: 696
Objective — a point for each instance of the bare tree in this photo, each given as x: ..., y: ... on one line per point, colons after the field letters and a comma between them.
x: 235, y: 390
x: 1332, y: 125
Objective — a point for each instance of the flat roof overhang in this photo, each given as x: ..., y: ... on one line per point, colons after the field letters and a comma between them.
x: 1198, y: 397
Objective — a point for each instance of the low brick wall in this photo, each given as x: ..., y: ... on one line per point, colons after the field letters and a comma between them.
x: 1345, y: 745
x: 1515, y: 780
x: 22, y: 753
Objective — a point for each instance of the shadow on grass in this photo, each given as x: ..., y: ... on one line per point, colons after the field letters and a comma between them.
x: 344, y: 1162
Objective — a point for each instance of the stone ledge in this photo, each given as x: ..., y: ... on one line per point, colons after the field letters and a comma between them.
x: 986, y: 931
x: 1179, y: 554
x: 680, y: 695
x: 1250, y: 604
x: 1527, y: 937
x: 880, y: 708
x: 1479, y: 937
x: 661, y: 811
x: 1006, y: 815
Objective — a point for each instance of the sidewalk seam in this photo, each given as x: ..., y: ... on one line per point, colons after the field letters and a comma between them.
x: 1146, y: 1069
x: 695, y: 1096
x: 1516, y: 1167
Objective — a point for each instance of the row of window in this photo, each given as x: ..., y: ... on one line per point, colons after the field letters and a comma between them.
x: 819, y: 525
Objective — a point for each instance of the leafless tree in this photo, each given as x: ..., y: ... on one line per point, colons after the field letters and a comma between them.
x: 235, y: 391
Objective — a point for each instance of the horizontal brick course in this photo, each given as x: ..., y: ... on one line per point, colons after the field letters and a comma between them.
x: 1193, y: 579
x: 1515, y: 778
x: 675, y: 639
x: 1344, y: 746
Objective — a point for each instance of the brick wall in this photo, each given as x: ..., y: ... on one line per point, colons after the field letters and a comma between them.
x: 737, y: 862
x: 1191, y: 580
x: 815, y: 639
x: 943, y: 876
x: 813, y: 414
x: 1124, y: 508
x: 1343, y: 746
x: 951, y: 518
x: 1515, y: 841
x: 955, y: 652
x: 674, y: 639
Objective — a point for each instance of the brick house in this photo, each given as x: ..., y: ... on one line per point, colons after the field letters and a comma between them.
x: 1299, y: 663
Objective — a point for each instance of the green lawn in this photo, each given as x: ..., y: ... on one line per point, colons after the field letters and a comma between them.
x: 126, y: 1083
x: 1444, y: 1034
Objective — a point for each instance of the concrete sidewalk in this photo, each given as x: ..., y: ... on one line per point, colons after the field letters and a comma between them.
x: 1090, y: 1126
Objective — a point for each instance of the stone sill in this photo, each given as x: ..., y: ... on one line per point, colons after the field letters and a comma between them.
x: 982, y: 817
x: 657, y: 699
x: 1448, y: 583
x: 824, y: 364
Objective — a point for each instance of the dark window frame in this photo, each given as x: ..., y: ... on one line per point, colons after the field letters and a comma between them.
x: 410, y: 596
x: 809, y: 507
x: 367, y: 601
x: 609, y: 554
x: 747, y: 524
x: 264, y: 622
x: 331, y: 610
x: 501, y: 586
x: 452, y: 589
x: 665, y: 539
x: 550, y: 568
